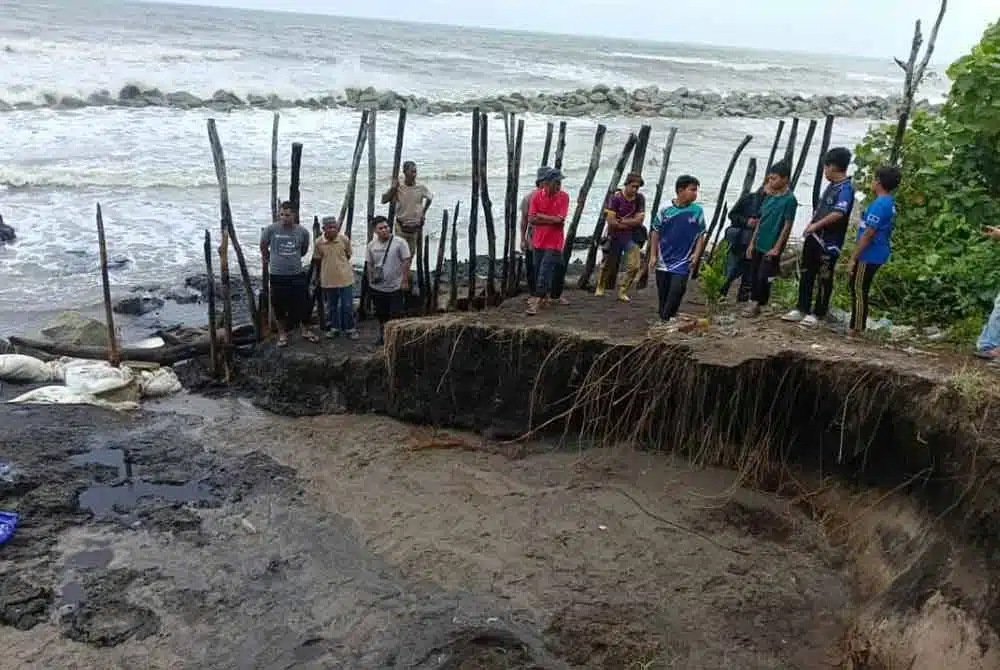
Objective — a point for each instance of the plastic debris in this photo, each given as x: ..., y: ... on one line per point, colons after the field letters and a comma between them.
x: 8, y: 523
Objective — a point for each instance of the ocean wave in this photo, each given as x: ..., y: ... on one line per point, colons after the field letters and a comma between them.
x: 116, y: 52
x: 597, y: 101
x: 711, y: 62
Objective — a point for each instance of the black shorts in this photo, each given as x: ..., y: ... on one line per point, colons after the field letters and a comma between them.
x: 288, y: 298
x: 387, y: 304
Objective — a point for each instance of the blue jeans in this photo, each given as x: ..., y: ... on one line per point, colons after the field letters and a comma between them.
x: 339, y: 307
x: 989, y: 339
x: 546, y: 261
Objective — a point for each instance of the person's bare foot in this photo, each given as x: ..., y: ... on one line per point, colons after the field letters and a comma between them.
x: 310, y: 336
x: 282, y: 340
x: 563, y: 301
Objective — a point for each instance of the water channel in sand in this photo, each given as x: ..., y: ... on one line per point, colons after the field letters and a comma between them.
x: 204, y: 533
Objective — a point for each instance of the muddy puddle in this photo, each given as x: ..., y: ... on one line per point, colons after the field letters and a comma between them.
x: 204, y: 533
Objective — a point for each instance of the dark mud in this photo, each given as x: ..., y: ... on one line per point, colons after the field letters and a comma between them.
x: 135, y: 528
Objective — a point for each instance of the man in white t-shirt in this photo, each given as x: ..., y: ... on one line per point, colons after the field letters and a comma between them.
x: 389, y: 261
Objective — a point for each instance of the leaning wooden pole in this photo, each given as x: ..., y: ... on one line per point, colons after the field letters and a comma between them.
x: 397, y: 160
x: 352, y: 181
x: 581, y: 198
x: 509, y: 206
x: 294, y: 195
x: 668, y: 149
x: 806, y: 144
x: 514, y: 227
x: 774, y: 146
x: 227, y: 306
x: 435, y: 298
x: 824, y: 146
x: 453, y: 270
x: 491, y: 233
x: 274, y: 168
x: 474, y: 206
x: 717, y: 214
x: 560, y: 146
x: 218, y: 157
x: 316, y: 304
x: 793, y: 136
x: 749, y: 179
x: 114, y: 355
x: 595, y: 240
x: 370, y: 211
x: 639, y: 157
x: 547, y: 147
x: 213, y: 345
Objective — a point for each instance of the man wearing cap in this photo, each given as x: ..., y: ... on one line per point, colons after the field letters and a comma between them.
x: 624, y: 213
x: 547, y: 216
x: 412, y: 199
x: 529, y: 261
x: 332, y: 253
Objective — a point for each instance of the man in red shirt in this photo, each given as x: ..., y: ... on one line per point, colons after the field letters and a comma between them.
x: 547, y: 216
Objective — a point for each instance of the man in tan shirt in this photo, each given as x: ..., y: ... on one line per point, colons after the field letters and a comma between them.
x: 336, y: 278
x: 412, y: 202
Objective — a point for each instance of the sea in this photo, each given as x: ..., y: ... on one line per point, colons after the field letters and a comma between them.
x: 151, y: 169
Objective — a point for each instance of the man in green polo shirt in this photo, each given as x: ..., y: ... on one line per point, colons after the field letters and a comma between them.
x: 777, y: 214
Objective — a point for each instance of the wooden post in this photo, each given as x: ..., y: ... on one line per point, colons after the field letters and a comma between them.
x: 227, y: 305
x: 370, y: 212
x: 227, y: 223
x: 668, y: 149
x: 397, y: 161
x: 274, y: 169
x: 425, y: 295
x: 800, y: 165
x: 213, y: 346
x: 491, y: 233
x: 914, y: 76
x: 639, y: 157
x: 474, y: 207
x: 347, y: 206
x: 581, y: 198
x: 509, y: 197
x: 453, y: 270
x: 750, y: 178
x: 547, y: 147
x: 316, y: 304
x: 560, y: 146
x: 793, y: 136
x: 293, y: 181
x: 435, y: 300
x: 595, y: 240
x: 824, y: 146
x: 716, y: 216
x: 514, y: 217
x: 774, y: 146
x: 114, y: 355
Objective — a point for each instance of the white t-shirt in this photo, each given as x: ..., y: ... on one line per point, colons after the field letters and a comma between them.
x: 391, y: 256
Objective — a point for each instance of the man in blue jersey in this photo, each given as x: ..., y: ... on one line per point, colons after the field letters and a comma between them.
x: 824, y: 239
x: 873, y: 244
x: 677, y: 240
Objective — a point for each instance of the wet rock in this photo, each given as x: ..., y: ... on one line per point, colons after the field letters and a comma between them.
x: 5, y: 106
x: 100, y: 99
x: 182, y: 295
x: 104, y: 618
x: 7, y: 233
x: 71, y: 102
x: 22, y: 605
x: 183, y: 99
x: 129, y: 92
x: 6, y: 347
x: 74, y: 328
x: 137, y: 305
x: 227, y: 98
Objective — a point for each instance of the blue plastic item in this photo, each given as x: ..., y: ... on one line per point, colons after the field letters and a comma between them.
x: 8, y: 522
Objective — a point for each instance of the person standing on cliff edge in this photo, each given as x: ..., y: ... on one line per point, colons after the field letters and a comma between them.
x: 824, y: 239
x: 412, y: 199
x: 526, y: 230
x: 282, y: 247
x: 547, y: 216
x: 388, y: 274
x: 677, y: 241
x: 624, y: 212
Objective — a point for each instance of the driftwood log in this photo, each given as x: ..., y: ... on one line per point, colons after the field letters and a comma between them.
x: 113, y: 355
x: 163, y: 355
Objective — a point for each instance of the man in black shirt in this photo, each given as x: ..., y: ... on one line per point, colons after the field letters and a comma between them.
x: 824, y: 239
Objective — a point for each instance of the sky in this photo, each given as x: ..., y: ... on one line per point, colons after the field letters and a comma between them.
x: 859, y: 27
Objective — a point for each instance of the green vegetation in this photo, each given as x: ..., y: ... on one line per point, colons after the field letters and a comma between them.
x: 943, y: 270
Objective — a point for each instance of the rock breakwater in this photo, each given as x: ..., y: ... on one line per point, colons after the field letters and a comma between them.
x: 597, y: 101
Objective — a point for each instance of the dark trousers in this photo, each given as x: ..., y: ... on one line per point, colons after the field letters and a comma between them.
x: 289, y: 297
x: 387, y: 305
x: 861, y: 286
x: 817, y: 274
x: 737, y: 267
x: 547, y: 261
x: 339, y: 307
x: 670, y: 290
x: 761, y: 272
x: 529, y: 269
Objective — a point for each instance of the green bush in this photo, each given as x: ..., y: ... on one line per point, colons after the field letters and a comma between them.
x: 943, y: 270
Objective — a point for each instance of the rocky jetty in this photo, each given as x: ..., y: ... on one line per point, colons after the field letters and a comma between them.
x: 593, y: 102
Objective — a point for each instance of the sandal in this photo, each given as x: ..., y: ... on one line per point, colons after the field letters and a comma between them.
x: 283, y: 341
x: 310, y: 337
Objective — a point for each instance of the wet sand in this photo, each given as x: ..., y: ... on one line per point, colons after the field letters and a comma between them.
x: 362, y: 542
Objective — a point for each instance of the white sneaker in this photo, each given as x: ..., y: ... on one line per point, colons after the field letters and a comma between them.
x: 794, y: 316
x: 810, y: 321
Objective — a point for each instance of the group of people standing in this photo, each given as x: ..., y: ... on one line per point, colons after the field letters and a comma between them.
x: 761, y: 224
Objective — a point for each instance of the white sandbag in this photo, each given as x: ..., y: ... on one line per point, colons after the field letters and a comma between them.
x: 27, y: 369
x: 158, y: 383
x: 96, y: 377
x: 63, y: 395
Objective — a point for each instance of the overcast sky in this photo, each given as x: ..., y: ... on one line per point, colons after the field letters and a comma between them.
x: 863, y: 27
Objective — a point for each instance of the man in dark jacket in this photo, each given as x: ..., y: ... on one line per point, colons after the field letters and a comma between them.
x: 743, y: 218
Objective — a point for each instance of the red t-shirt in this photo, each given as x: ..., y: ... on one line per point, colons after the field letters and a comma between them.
x: 546, y: 237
